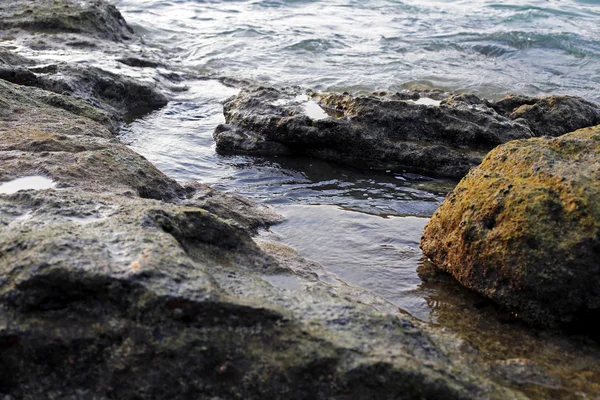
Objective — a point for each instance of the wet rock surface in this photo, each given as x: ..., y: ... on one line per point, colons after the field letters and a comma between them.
x: 523, y: 229
x: 550, y: 115
x: 86, y: 50
x: 401, y: 131
x: 120, y: 96
x: 70, y: 141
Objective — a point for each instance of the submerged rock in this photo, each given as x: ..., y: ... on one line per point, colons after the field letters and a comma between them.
x: 524, y: 229
x: 398, y: 131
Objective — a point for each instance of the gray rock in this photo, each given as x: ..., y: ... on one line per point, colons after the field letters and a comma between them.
x: 378, y: 132
x: 97, y: 26
x: 70, y: 141
x: 120, y: 96
x: 550, y: 115
x: 385, y: 132
x: 122, y: 283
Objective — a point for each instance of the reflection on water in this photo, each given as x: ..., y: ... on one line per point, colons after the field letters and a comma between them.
x: 570, y: 361
x: 377, y: 252
x: 381, y: 253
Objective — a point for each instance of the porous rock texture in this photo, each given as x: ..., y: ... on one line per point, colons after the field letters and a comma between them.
x: 100, y: 39
x: 523, y: 229
x: 391, y: 131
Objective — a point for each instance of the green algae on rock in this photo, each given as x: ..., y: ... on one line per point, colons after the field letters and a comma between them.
x: 524, y: 229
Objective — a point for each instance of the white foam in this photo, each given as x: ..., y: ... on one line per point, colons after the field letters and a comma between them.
x: 426, y: 101
x: 311, y: 108
x: 27, y: 183
x: 314, y: 111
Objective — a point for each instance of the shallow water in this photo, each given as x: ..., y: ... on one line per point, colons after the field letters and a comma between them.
x: 487, y: 47
x: 380, y: 253
x: 26, y: 183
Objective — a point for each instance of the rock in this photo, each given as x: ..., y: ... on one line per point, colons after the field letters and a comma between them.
x: 389, y: 132
x: 377, y: 132
x: 123, y: 283
x: 244, y: 212
x: 95, y: 18
x: 524, y: 229
x: 119, y: 282
x: 71, y: 142
x: 133, y: 61
x: 120, y: 96
x: 58, y: 26
x: 524, y: 371
x: 550, y: 115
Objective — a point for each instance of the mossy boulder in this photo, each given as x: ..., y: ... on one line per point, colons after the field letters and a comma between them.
x: 523, y: 228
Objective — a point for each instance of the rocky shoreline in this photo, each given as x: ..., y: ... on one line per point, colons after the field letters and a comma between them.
x: 120, y: 282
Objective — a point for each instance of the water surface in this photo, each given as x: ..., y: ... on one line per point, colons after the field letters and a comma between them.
x: 490, y: 47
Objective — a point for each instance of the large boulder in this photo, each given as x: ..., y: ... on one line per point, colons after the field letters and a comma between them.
x: 401, y: 131
x: 524, y: 229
